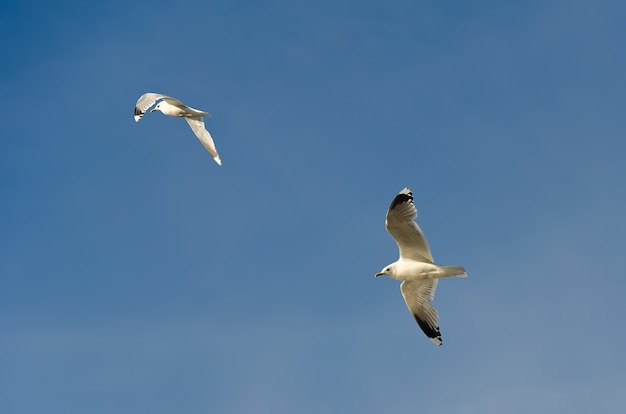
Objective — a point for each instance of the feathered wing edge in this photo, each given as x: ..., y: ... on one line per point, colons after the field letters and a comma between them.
x: 417, y: 294
x: 197, y: 126
x: 401, y: 225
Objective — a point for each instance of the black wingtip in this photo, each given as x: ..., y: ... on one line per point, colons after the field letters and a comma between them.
x: 405, y: 196
x: 431, y: 332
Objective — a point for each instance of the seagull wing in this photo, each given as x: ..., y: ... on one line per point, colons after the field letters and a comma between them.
x: 197, y: 125
x: 146, y: 100
x: 402, y: 227
x: 417, y: 294
x: 191, y: 112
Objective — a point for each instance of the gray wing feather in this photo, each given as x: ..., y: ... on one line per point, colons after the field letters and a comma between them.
x: 417, y: 294
x: 405, y: 231
x: 197, y: 126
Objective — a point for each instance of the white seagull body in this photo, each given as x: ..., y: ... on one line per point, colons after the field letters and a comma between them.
x: 173, y: 107
x: 415, y: 267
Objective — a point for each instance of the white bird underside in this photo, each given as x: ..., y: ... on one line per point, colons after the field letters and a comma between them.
x: 415, y: 267
x: 175, y: 108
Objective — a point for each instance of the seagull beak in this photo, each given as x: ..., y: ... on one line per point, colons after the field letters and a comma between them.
x: 379, y: 274
x: 153, y: 109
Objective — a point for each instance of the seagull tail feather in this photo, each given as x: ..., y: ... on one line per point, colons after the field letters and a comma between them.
x: 458, y: 271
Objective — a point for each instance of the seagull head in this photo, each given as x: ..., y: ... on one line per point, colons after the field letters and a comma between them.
x: 157, y: 107
x: 387, y: 271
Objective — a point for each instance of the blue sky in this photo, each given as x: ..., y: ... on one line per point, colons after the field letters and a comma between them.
x: 138, y: 276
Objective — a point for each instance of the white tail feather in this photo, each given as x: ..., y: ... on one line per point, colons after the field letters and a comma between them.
x: 450, y: 271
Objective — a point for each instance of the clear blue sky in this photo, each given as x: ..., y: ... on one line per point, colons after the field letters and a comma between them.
x: 137, y: 276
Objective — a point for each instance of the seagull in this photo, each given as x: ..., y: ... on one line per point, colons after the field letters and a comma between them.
x: 173, y: 107
x: 415, y: 267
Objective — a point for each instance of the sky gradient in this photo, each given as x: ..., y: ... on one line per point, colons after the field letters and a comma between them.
x: 138, y: 276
